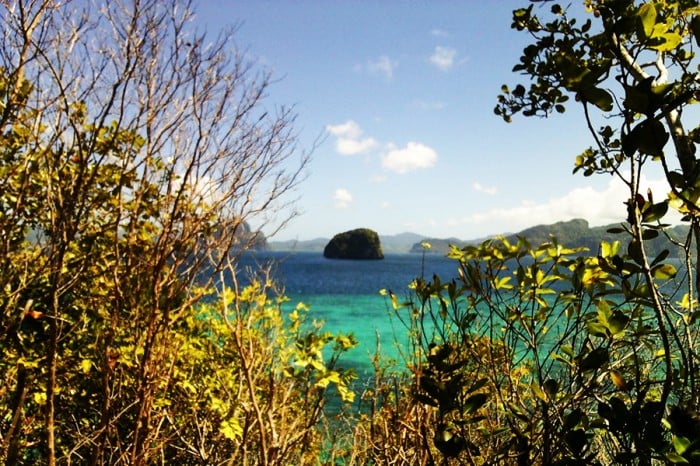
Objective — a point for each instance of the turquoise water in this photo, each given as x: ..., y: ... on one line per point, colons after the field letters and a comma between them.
x: 345, y: 294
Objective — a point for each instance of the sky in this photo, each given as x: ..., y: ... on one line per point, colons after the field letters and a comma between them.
x: 400, y: 95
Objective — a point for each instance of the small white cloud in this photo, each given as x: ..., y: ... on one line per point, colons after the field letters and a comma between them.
x: 437, y: 32
x: 443, y: 57
x: 354, y: 146
x: 383, y: 66
x: 349, y: 129
x: 342, y: 198
x: 414, y: 156
x: 349, y: 138
x: 479, y: 188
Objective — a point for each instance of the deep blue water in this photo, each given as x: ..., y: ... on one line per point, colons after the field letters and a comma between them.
x: 309, y: 273
x: 345, y: 293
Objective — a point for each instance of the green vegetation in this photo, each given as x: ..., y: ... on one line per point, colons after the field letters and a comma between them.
x: 548, y: 354
x: 132, y: 154
x: 361, y: 243
x: 126, y: 185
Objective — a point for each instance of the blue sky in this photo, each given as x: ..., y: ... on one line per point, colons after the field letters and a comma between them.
x: 402, y: 95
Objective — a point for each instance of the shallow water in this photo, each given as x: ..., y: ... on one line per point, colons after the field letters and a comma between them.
x: 345, y: 294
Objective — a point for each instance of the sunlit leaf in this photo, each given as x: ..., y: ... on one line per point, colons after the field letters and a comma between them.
x: 664, y: 272
x: 598, y: 97
x: 681, y: 444
x: 669, y: 41
x: 647, y: 18
x: 231, y: 429
x: 618, y: 380
x: 676, y: 458
x: 538, y: 392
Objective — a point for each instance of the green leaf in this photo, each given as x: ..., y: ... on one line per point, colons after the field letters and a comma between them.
x: 568, y: 350
x: 649, y: 137
x: 634, y: 250
x: 598, y: 97
x: 595, y: 359
x: 609, y: 249
x: 664, y: 272
x: 576, y: 439
x: 617, y: 322
x: 647, y: 18
x: 636, y: 99
x: 551, y: 387
x: 676, y: 458
x: 654, y: 212
x: 649, y: 234
x: 475, y: 402
x: 668, y: 42
x: 695, y: 27
x: 478, y: 384
x: 538, y: 392
x: 573, y: 419
x: 662, y: 256
x: 680, y: 444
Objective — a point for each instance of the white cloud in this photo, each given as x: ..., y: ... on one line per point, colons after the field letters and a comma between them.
x: 349, y: 129
x: 437, y: 32
x: 412, y: 157
x: 342, y: 198
x: 383, y: 66
x: 479, y: 188
x: 597, y: 207
x: 349, y: 138
x: 443, y: 57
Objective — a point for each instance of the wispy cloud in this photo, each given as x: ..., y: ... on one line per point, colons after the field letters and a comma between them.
x: 430, y: 105
x: 599, y: 207
x: 383, y: 66
x: 349, y: 138
x: 414, y: 156
x: 443, y: 57
x: 342, y: 198
x: 479, y: 188
x: 437, y: 32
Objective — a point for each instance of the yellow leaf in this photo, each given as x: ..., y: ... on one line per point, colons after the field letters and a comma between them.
x: 538, y: 392
x: 85, y: 365
x: 332, y: 376
x: 231, y: 429
x: 394, y: 301
x: 618, y: 380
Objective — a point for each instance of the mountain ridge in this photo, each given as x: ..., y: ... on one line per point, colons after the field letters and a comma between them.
x: 572, y: 233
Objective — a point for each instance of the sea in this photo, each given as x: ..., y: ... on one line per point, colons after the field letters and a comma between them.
x: 345, y: 295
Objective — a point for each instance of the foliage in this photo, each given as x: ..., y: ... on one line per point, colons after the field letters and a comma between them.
x: 361, y: 243
x: 251, y: 383
x: 543, y: 354
x: 133, y: 152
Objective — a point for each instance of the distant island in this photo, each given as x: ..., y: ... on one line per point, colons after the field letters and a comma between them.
x: 361, y: 243
x: 572, y: 233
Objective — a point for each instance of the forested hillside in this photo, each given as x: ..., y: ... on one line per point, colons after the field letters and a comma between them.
x: 573, y: 233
